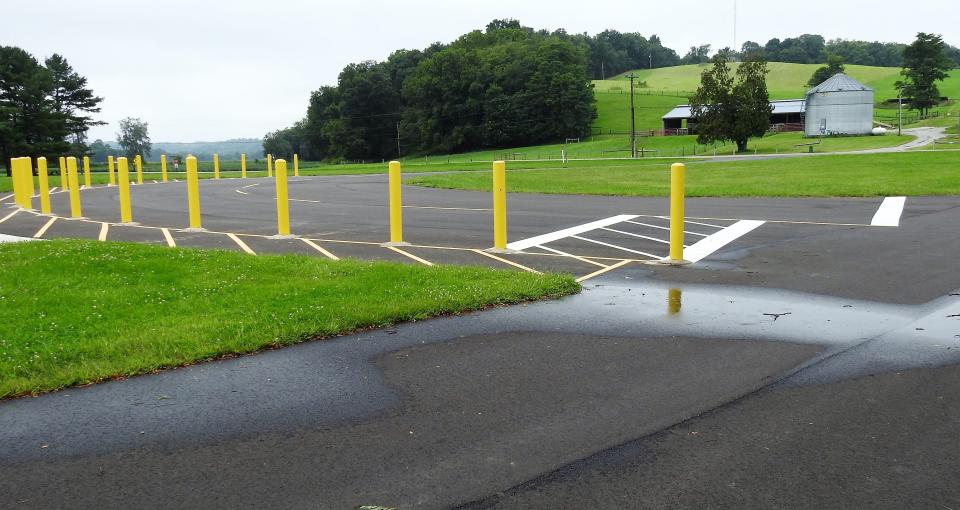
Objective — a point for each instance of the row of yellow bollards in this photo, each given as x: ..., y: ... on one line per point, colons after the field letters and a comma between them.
x: 23, y: 191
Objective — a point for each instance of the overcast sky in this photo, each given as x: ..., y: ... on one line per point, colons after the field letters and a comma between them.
x: 213, y: 70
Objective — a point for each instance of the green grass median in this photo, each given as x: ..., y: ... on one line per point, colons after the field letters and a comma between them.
x: 74, y: 312
x: 913, y: 173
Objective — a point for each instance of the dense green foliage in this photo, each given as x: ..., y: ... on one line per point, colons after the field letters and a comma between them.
x: 811, y: 49
x: 925, y: 63
x: 506, y: 86
x: 725, y: 109
x: 43, y: 107
x: 125, y: 309
x: 822, y: 74
x: 134, y: 138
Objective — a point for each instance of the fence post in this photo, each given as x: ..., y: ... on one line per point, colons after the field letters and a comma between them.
x: 193, y: 194
x: 123, y: 178
x: 75, y: 211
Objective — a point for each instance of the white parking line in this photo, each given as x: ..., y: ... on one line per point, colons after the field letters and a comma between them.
x: 565, y: 254
x: 568, y: 232
x: 707, y: 246
x: 635, y: 235
x: 888, y: 214
x: 645, y: 254
x: 666, y: 228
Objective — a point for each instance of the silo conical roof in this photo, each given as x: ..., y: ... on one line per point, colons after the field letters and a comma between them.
x: 839, y: 82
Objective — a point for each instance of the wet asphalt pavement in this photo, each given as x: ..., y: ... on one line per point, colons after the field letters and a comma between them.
x: 800, y: 366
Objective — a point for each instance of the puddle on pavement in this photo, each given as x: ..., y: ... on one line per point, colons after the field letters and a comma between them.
x: 862, y: 337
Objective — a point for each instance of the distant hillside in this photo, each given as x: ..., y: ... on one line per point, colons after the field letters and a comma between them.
x: 227, y: 149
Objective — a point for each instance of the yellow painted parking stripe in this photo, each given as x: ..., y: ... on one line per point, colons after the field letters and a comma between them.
x: 505, y: 261
x: 410, y: 255
x: 604, y: 270
x: 44, y: 228
x: 320, y: 249
x: 243, y: 246
x: 7, y: 217
x: 166, y: 235
x: 104, y: 227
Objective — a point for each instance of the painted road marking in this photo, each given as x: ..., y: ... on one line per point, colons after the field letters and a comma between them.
x: 444, y: 208
x: 104, y: 227
x: 410, y: 255
x: 889, y: 212
x: 565, y: 254
x: 166, y: 235
x: 44, y: 228
x: 320, y: 249
x: 7, y: 217
x: 707, y: 246
x: 667, y: 228
x: 568, y: 232
x: 505, y: 261
x: 243, y: 246
x: 604, y: 270
x: 635, y: 235
x: 594, y: 241
x: 4, y: 199
x: 51, y: 190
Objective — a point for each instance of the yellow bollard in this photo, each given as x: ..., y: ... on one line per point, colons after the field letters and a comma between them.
x: 677, y: 191
x: 396, y: 204
x: 28, y: 178
x: 243, y: 166
x: 75, y: 211
x: 112, y: 177
x: 163, y: 167
x: 64, y: 181
x: 193, y: 193
x: 20, y: 192
x: 123, y: 176
x: 26, y: 198
x: 86, y: 171
x: 44, y: 185
x: 283, y: 204
x: 269, y: 165
x: 216, y: 166
x: 138, y: 161
x: 296, y: 166
x: 499, y: 205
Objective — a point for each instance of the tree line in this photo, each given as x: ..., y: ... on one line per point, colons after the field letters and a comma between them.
x: 505, y: 86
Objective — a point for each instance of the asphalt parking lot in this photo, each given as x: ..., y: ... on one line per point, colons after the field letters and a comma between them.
x: 808, y: 358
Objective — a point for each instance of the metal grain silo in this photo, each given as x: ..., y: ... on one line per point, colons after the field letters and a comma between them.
x: 839, y: 106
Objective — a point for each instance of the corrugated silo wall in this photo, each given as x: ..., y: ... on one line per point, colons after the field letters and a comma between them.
x: 841, y: 112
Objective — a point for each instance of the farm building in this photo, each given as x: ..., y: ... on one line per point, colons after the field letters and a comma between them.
x: 839, y: 106
x: 787, y: 115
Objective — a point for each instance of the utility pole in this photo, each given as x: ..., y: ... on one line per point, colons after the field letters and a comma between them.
x: 603, y: 75
x: 398, y: 139
x: 651, y: 61
x: 633, y: 121
x: 900, y: 114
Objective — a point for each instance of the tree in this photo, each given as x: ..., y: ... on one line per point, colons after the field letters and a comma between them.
x: 697, y: 55
x: 30, y: 124
x: 925, y: 62
x: 822, y: 74
x: 751, y: 51
x: 99, y: 150
x: 134, y: 138
x: 728, y: 109
x: 72, y: 99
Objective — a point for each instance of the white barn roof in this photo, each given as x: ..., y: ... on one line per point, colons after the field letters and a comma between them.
x: 839, y: 83
x: 779, y: 107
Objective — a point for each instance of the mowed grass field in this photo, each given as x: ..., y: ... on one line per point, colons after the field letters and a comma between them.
x: 911, y: 174
x: 123, y: 309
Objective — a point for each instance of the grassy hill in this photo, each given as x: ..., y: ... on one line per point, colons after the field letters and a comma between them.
x: 669, y: 86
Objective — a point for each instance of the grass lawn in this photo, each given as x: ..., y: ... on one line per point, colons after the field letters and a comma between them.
x: 124, y: 309
x: 913, y: 173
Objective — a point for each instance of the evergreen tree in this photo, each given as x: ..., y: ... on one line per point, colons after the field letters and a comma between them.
x: 925, y: 62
